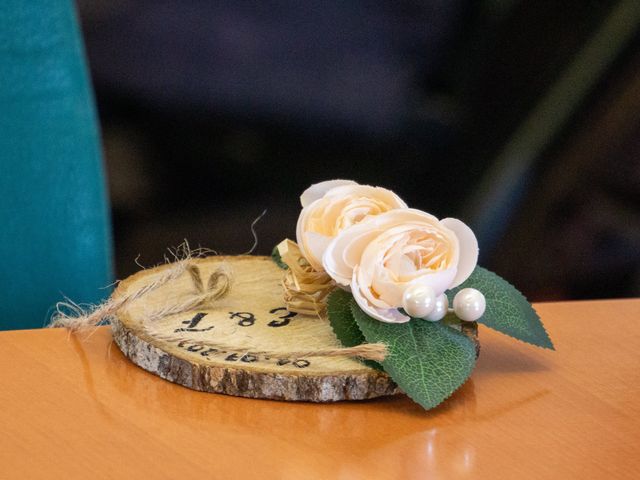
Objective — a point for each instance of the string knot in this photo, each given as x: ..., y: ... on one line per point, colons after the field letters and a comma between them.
x: 218, y: 284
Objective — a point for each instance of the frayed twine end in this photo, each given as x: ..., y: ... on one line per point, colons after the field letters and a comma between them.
x: 76, y: 317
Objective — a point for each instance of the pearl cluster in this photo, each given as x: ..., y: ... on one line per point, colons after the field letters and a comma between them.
x: 420, y: 301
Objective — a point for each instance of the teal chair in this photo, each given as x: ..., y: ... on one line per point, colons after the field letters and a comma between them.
x: 55, y: 237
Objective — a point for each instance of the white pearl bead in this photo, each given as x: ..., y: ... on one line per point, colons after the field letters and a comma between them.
x: 439, y: 310
x: 469, y: 304
x: 418, y: 300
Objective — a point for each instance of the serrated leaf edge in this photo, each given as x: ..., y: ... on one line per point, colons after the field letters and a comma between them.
x: 353, y: 306
x: 331, y: 323
x: 551, y: 346
x: 369, y: 363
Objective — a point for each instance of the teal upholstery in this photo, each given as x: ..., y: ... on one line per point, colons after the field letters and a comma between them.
x: 55, y: 237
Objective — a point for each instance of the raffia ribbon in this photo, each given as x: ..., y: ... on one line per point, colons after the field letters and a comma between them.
x: 305, y: 289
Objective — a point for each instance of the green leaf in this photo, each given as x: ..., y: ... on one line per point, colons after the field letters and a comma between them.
x: 508, y: 311
x: 343, y: 324
x: 428, y: 360
x: 275, y: 256
x: 341, y: 318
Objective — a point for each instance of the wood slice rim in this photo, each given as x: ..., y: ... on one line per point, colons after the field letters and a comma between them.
x: 323, y: 381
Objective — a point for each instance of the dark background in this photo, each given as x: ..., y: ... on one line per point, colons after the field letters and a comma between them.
x: 521, y: 118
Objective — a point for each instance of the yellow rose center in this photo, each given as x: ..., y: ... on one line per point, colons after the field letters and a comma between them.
x: 333, y: 216
x: 420, y: 249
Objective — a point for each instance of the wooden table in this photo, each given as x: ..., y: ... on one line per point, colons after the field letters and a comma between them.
x: 74, y: 407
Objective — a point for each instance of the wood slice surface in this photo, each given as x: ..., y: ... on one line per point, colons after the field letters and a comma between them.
x: 253, y: 316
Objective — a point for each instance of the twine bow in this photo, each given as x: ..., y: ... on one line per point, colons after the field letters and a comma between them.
x: 74, y: 317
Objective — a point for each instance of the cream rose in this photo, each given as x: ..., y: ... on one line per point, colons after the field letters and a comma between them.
x: 381, y: 257
x: 330, y: 207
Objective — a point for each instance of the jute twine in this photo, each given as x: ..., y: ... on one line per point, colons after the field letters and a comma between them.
x: 76, y: 318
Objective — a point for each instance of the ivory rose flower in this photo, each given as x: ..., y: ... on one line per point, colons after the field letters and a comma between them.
x: 331, y: 206
x: 382, y: 256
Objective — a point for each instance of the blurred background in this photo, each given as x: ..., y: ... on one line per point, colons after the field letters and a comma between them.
x: 521, y: 118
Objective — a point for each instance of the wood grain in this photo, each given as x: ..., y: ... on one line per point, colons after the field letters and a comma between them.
x: 251, y: 315
x: 75, y: 408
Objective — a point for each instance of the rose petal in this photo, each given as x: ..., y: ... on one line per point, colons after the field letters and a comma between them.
x: 387, y: 315
x: 367, y: 191
x: 402, y: 216
x: 300, y: 231
x: 468, y: 247
x: 391, y: 292
x: 372, y: 270
x: 344, y: 252
x: 401, y: 265
x: 318, y: 190
x: 315, y: 246
x: 364, y: 279
x: 332, y: 206
x: 440, y: 281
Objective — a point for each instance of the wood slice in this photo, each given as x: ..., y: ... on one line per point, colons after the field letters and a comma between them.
x: 252, y: 315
